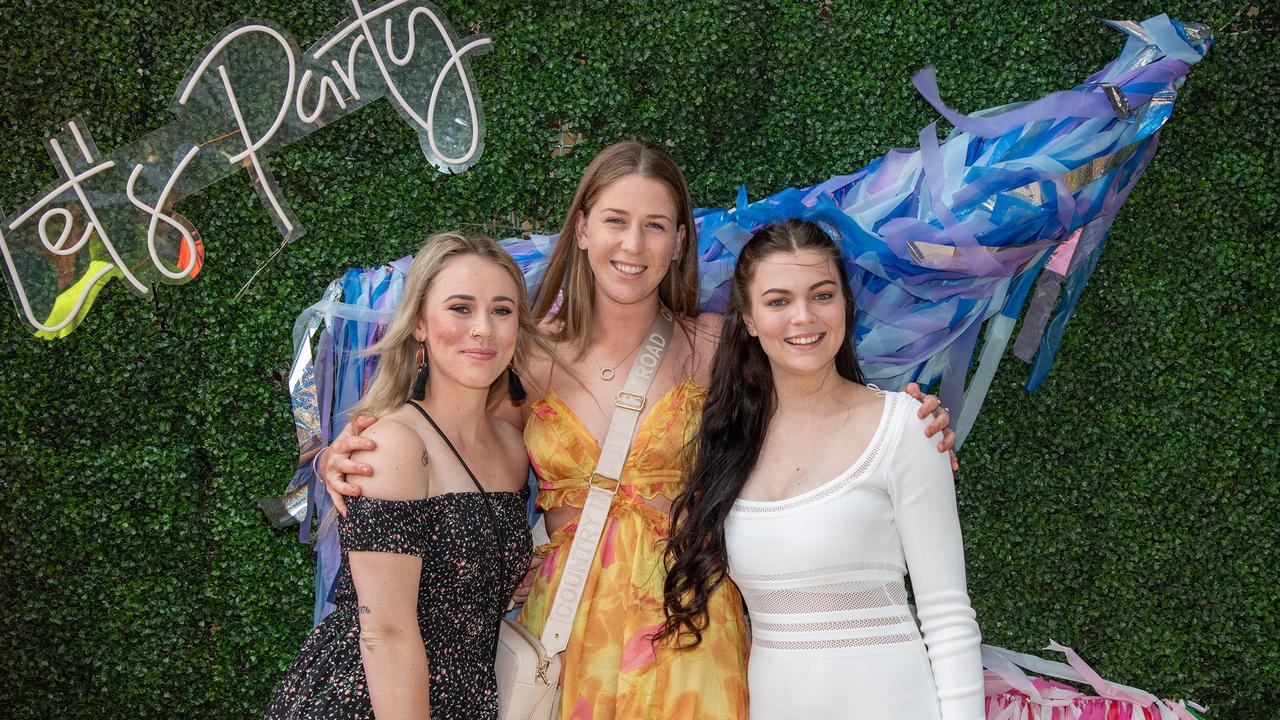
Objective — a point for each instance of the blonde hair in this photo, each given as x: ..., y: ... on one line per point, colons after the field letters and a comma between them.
x: 397, y: 364
x: 569, y: 270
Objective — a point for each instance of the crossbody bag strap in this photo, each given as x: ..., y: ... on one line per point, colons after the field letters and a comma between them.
x: 604, y: 484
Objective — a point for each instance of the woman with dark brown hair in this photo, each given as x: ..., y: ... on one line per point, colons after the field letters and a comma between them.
x: 816, y: 494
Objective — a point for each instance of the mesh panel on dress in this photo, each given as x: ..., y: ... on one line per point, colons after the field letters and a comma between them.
x: 855, y: 624
x: 834, y: 642
x: 827, y: 598
x: 822, y: 572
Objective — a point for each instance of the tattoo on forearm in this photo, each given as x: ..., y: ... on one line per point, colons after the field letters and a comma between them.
x: 364, y: 610
x: 424, y: 458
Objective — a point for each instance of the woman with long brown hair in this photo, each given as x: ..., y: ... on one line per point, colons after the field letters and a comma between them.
x: 626, y: 252
x: 817, y: 494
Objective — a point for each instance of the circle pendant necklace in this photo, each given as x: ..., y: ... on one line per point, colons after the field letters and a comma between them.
x: 607, y: 373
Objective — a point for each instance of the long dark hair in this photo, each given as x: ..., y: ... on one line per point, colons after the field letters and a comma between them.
x: 739, y: 406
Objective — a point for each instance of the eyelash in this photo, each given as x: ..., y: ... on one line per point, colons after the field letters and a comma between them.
x: 656, y: 226
x: 463, y: 309
x: 821, y: 297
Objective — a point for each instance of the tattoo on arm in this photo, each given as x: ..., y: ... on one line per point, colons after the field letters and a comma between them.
x: 364, y: 610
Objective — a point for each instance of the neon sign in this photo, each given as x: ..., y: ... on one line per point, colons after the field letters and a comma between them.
x: 250, y: 93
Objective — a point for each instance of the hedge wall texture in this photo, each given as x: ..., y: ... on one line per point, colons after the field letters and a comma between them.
x: 1128, y: 508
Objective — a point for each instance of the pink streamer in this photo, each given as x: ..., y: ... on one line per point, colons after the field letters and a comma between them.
x: 1180, y: 711
x: 1099, y: 684
x: 1060, y: 261
x: 1013, y: 695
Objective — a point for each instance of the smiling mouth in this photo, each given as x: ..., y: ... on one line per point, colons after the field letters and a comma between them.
x: 628, y: 269
x: 805, y: 340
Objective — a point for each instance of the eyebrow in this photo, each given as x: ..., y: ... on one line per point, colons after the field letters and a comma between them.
x: 814, y: 286
x: 472, y: 298
x: 624, y: 212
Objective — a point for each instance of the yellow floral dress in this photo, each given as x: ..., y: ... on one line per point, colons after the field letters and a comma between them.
x: 613, y: 669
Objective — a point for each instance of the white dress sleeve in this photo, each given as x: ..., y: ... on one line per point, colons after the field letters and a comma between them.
x: 922, y: 490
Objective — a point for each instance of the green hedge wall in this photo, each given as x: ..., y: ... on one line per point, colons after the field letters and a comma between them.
x: 1128, y: 509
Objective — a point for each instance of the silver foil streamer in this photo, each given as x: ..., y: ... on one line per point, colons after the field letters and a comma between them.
x: 291, y: 508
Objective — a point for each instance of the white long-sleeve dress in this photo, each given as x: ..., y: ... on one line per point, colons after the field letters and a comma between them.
x: 822, y: 575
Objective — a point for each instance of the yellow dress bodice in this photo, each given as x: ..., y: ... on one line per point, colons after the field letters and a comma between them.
x: 613, y: 669
x: 564, y: 453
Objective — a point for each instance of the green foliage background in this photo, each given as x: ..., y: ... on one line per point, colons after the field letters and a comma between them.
x: 1128, y: 509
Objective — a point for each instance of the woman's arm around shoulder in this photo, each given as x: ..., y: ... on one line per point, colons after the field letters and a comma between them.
x: 398, y: 461
x: 930, y: 408
x: 386, y: 582
x: 335, y: 463
x: 924, y: 505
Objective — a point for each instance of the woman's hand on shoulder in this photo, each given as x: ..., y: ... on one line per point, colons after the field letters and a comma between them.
x: 336, y: 463
x: 399, y: 462
x: 931, y: 405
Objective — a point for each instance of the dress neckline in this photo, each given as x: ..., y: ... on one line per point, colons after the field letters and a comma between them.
x: 579, y: 427
x: 865, y: 460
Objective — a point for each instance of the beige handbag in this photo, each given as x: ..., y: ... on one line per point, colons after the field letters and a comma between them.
x: 528, y: 668
x: 527, y: 677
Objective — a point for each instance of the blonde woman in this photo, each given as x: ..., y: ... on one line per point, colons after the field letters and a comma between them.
x: 627, y: 249
x: 436, y: 542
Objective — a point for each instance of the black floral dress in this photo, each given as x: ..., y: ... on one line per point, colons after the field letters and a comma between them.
x: 462, y: 595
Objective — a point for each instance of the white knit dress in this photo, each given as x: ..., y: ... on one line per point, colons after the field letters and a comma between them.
x: 822, y: 576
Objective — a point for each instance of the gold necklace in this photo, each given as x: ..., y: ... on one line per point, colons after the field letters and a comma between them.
x: 607, y: 373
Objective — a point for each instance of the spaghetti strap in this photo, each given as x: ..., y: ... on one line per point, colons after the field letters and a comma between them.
x: 484, y: 494
x: 445, y: 438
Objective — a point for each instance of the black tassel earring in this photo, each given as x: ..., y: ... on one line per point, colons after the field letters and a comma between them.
x: 420, y: 382
x: 514, y: 387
